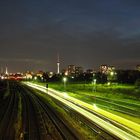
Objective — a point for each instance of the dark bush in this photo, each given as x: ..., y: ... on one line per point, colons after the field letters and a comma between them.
x: 137, y: 83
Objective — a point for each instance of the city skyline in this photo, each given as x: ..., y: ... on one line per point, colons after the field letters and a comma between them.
x: 69, y: 67
x: 87, y: 33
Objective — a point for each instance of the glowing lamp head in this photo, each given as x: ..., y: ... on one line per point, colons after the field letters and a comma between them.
x: 108, y: 83
x: 35, y: 78
x: 112, y: 73
x: 65, y: 79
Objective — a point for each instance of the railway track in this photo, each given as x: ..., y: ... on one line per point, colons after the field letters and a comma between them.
x: 47, y: 119
x: 102, y: 117
x: 60, y: 125
x: 4, y: 102
x: 96, y: 129
x: 29, y: 120
x: 40, y: 121
x: 7, y: 124
x: 126, y: 131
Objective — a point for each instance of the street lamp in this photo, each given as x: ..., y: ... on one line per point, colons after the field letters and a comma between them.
x: 108, y: 83
x: 111, y: 77
x: 94, y: 84
x: 94, y: 81
x: 112, y: 73
x: 35, y: 78
x: 64, y: 80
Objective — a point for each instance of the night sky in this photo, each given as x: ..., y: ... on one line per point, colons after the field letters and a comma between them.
x: 86, y: 33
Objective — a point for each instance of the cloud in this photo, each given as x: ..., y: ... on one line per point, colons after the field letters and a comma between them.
x: 22, y: 60
x: 85, y: 32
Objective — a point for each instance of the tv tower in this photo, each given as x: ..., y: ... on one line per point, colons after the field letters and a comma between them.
x: 6, y: 72
x: 58, y: 64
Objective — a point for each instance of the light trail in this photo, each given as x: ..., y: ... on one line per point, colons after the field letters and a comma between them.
x: 104, y: 124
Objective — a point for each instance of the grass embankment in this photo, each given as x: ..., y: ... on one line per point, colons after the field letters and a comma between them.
x: 122, y: 100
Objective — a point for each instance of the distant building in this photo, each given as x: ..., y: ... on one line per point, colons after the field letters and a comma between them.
x: 28, y: 75
x: 103, y: 69
x: 110, y: 69
x: 89, y: 71
x: 71, y: 69
x: 39, y: 73
x: 78, y: 70
x: 64, y: 72
x: 51, y: 74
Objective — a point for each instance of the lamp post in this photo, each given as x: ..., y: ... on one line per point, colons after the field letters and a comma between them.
x: 35, y: 78
x: 64, y: 80
x: 94, y: 84
x: 111, y: 78
x: 112, y: 73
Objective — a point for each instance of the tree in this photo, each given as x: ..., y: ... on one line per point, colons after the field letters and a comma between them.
x: 137, y: 83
